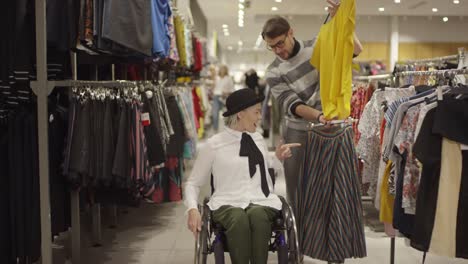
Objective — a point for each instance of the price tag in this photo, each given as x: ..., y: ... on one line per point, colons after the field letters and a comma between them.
x: 145, y: 119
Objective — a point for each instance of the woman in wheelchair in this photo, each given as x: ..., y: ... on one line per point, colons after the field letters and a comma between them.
x: 242, y: 200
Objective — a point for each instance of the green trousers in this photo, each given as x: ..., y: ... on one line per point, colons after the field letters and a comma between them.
x: 247, y: 231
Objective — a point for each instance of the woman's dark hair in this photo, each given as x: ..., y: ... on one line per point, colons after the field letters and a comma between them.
x: 275, y: 27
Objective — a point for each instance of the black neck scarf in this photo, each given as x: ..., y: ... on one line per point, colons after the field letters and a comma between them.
x: 249, y: 149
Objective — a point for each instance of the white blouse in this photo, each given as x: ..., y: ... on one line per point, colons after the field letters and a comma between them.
x: 231, y: 178
x: 223, y: 85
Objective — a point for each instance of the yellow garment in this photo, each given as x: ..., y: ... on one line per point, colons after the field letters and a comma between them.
x: 386, y: 199
x: 332, y: 56
x: 180, y: 40
x: 444, y: 233
x: 201, y: 130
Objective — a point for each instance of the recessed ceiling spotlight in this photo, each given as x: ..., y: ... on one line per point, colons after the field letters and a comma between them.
x: 278, y: 1
x: 445, y: 19
x: 241, y: 1
x: 397, y: 1
x: 456, y: 2
x: 229, y: 47
x: 381, y: 9
x: 435, y: 9
x: 326, y: 8
x: 274, y: 8
x: 241, y: 6
x: 225, y: 25
x: 240, y: 43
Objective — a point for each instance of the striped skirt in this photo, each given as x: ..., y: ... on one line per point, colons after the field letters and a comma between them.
x: 329, y: 209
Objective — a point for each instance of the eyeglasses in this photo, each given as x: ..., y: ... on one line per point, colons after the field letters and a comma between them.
x: 280, y: 44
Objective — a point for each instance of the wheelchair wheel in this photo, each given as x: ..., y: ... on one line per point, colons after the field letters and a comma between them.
x: 201, y: 241
x: 291, y: 235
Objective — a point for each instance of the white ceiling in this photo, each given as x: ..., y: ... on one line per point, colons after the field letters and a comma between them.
x: 219, y: 12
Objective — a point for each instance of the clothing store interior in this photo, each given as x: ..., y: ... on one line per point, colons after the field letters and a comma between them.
x: 232, y: 134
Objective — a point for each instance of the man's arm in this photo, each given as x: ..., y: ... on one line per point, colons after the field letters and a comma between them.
x: 307, y: 112
x: 289, y: 100
x: 357, y: 46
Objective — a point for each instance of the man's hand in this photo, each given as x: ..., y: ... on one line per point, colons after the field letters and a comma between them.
x: 283, y: 151
x: 333, y: 7
x: 326, y: 122
x: 194, y: 221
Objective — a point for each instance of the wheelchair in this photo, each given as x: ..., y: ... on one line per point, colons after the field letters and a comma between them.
x: 284, y: 241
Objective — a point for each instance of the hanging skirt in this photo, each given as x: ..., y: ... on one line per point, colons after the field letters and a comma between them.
x: 329, y: 198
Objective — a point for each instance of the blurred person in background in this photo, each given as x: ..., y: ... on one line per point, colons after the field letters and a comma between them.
x: 224, y: 86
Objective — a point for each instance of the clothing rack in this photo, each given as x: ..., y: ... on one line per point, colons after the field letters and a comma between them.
x: 442, y: 74
x: 387, y: 76
x: 42, y: 88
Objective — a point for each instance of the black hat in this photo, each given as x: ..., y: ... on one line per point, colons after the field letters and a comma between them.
x: 240, y: 100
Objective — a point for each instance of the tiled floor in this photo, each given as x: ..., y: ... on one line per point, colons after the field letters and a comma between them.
x: 157, y: 234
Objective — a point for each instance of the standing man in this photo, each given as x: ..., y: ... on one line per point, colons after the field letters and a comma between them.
x: 294, y: 82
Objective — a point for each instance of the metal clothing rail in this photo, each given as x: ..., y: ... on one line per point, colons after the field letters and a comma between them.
x: 373, y: 77
x: 347, y: 121
x: 460, y: 56
x: 42, y: 130
x: 431, y: 60
x: 440, y: 73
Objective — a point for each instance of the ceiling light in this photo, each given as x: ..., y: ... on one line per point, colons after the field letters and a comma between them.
x: 326, y: 8
x: 274, y: 8
x: 435, y: 9
x: 241, y: 1
x: 241, y: 6
x: 397, y: 1
x: 278, y: 1
x: 229, y: 47
x: 225, y: 26
x: 456, y: 2
x: 240, y: 43
x: 445, y: 19
x: 381, y: 9
x: 241, y: 12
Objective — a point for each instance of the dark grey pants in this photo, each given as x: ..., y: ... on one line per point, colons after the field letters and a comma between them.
x: 293, y: 166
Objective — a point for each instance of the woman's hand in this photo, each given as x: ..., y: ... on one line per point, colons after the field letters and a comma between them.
x: 283, y: 151
x: 333, y: 7
x: 194, y: 221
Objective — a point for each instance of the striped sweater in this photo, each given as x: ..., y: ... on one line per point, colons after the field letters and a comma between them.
x: 294, y: 80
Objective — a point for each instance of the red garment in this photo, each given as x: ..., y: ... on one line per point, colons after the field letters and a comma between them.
x: 133, y: 72
x: 382, y: 131
x: 198, y: 55
x: 197, y: 109
x: 175, y: 192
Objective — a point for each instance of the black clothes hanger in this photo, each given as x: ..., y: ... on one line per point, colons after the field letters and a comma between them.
x: 424, y: 88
